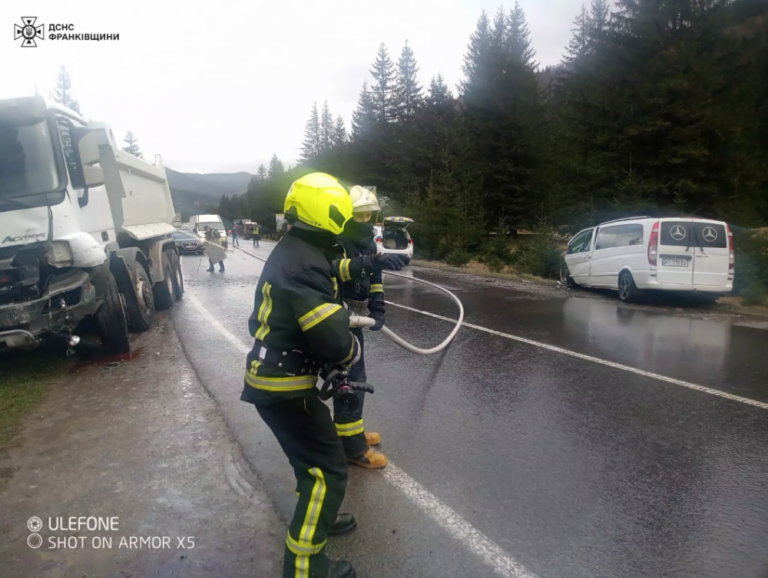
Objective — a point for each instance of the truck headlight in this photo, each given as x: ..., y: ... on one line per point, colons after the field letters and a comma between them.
x: 59, y: 254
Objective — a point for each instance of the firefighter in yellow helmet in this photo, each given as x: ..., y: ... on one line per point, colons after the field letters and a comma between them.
x: 299, y: 325
x: 363, y: 292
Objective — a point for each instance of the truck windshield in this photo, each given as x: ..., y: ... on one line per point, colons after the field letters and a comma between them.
x: 27, y: 162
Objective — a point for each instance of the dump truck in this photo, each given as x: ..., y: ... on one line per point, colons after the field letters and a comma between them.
x: 84, y: 231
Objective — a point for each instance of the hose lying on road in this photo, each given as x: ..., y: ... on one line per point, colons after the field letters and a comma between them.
x: 359, y: 321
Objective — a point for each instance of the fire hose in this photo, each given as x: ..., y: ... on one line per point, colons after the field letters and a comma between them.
x: 361, y: 321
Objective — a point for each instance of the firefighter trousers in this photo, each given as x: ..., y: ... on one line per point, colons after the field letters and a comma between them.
x: 349, y: 424
x: 305, y: 431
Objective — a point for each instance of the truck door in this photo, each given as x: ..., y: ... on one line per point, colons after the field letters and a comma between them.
x: 676, y: 254
x: 711, y: 252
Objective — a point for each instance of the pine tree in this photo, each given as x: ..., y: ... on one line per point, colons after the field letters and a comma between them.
x: 383, y: 90
x: 364, y: 117
x: 276, y: 168
x: 407, y: 93
x: 131, y: 145
x: 339, y: 136
x: 311, y: 146
x: 261, y: 173
x: 578, y: 47
x: 326, y: 129
x: 439, y: 93
x: 63, y: 94
x: 475, y: 65
x: 520, y: 47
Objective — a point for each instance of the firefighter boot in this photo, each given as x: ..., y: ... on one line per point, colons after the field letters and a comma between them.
x: 372, y: 438
x: 339, y: 569
x: 371, y: 459
x: 221, y: 266
x: 344, y: 524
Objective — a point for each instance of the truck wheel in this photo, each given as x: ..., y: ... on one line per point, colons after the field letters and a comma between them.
x: 111, y: 322
x: 163, y: 290
x: 178, y: 277
x: 140, y: 303
x: 628, y: 291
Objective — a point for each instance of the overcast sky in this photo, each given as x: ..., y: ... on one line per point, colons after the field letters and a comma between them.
x: 220, y: 86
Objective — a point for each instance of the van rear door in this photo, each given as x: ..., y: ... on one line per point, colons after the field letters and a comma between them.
x: 711, y: 253
x: 676, y: 255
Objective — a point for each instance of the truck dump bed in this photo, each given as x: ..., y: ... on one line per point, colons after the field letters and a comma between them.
x: 138, y: 191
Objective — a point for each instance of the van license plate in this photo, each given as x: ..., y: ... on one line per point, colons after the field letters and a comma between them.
x: 674, y: 262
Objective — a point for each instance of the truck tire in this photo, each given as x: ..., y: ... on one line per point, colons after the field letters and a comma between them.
x: 163, y: 290
x: 140, y: 303
x: 111, y: 322
x: 178, y: 277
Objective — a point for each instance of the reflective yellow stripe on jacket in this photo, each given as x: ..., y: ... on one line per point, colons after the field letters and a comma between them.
x: 279, y: 384
x: 377, y: 288
x: 318, y: 314
x: 344, y: 270
x: 264, y: 311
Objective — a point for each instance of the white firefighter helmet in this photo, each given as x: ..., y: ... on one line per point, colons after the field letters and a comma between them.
x: 363, y: 200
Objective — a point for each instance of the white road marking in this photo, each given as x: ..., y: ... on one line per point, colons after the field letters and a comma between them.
x: 671, y: 380
x: 446, y: 518
x: 556, y: 349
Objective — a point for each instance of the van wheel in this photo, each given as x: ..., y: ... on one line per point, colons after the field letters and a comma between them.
x: 140, y: 303
x: 163, y: 290
x: 628, y: 291
x: 110, y: 321
x: 178, y: 277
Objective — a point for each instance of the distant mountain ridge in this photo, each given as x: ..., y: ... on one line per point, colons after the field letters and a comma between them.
x: 211, y: 185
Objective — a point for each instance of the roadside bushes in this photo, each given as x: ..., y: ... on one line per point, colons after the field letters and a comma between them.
x: 751, y: 281
x: 541, y: 256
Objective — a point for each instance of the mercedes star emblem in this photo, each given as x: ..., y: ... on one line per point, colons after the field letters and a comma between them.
x: 709, y: 234
x: 678, y: 233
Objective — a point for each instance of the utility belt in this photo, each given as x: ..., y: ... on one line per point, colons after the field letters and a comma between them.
x: 291, y: 361
x: 357, y: 307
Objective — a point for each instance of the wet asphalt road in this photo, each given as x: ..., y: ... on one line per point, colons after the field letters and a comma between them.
x: 564, y: 466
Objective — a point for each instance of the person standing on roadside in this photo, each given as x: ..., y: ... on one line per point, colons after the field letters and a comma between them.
x: 256, y: 235
x: 235, y: 242
x: 300, y: 327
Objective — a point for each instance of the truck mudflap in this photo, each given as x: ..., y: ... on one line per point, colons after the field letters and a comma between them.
x: 69, y: 298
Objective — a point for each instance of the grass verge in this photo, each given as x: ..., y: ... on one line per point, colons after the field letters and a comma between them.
x: 477, y: 268
x: 24, y: 381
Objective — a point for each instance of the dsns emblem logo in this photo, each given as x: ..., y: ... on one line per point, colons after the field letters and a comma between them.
x: 28, y: 32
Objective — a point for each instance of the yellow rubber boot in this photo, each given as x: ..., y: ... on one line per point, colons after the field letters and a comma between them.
x: 372, y: 460
x: 372, y: 438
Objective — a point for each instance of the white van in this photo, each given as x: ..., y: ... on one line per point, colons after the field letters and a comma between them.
x: 639, y: 253
x: 198, y: 222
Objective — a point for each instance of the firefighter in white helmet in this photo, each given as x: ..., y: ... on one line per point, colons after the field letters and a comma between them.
x: 363, y: 292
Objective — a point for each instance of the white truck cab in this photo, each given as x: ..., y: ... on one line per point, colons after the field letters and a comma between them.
x: 83, y: 229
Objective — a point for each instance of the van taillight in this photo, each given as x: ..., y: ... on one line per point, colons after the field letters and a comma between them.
x: 731, y: 259
x: 378, y: 239
x: 410, y: 241
x: 653, y: 245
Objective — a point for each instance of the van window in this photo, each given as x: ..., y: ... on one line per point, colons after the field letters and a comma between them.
x: 629, y: 235
x: 581, y: 243
x: 606, y: 238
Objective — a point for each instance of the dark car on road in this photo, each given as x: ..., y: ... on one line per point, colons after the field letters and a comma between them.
x: 187, y: 242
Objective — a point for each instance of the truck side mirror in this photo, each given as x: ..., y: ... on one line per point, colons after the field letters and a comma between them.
x: 88, y: 141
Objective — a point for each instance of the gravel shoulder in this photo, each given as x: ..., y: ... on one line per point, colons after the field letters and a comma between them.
x: 140, y: 441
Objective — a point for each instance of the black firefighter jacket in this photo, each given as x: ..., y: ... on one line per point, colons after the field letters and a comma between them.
x: 298, y: 321
x: 358, y: 283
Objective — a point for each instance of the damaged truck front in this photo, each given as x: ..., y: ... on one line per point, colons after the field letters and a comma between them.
x: 75, y: 246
